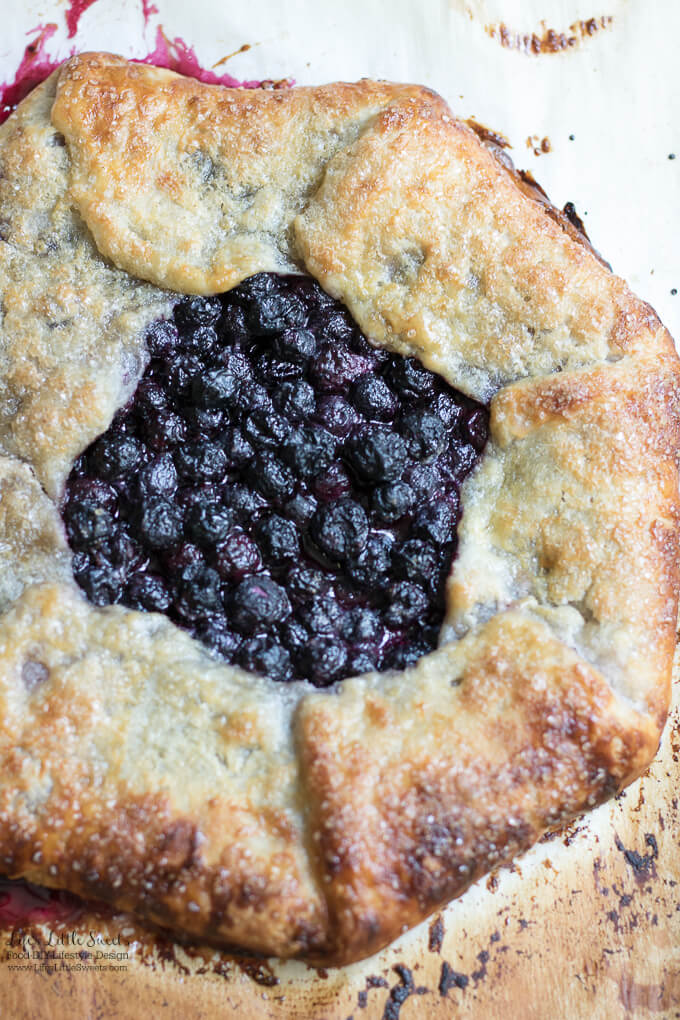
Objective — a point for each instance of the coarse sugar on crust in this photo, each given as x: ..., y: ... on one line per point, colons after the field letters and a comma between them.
x: 133, y: 766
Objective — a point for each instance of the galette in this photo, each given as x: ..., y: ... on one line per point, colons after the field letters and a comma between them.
x: 338, y: 507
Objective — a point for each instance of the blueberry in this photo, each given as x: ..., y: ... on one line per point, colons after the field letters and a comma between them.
x: 149, y: 592
x: 371, y: 567
x: 321, y: 615
x: 362, y: 660
x: 459, y: 460
x: 92, y: 492
x: 160, y: 523
x: 304, y: 583
x: 301, y: 508
x: 323, y: 660
x: 340, y: 529
x: 200, y: 590
x: 102, y: 585
x: 237, y: 556
x: 335, y: 368
x: 208, y: 523
x: 180, y: 373
x: 198, y: 311
x: 178, y: 558
x: 275, y: 312
x: 309, y: 450
x: 232, y: 325
x: 435, y: 523
x: 296, y: 345
x: 251, y: 396
x: 201, y: 462
x: 424, y: 433
x: 410, y: 378
x: 215, y: 388
x: 416, y: 560
x: 244, y: 501
x: 272, y: 477
x: 392, y: 501
x: 425, y: 479
x: 162, y: 339
x: 158, y: 478
x: 86, y: 524
x: 274, y: 371
x: 406, y: 603
x: 165, y: 430
x: 266, y: 430
x: 337, y: 415
x: 255, y: 288
x: 215, y: 633
x: 237, y: 448
x: 376, y: 454
x: 448, y: 408
x: 361, y: 625
x: 337, y: 327
x: 295, y: 399
x: 373, y: 398
x: 278, y: 539
x: 116, y: 455
x: 259, y: 602
x: 266, y: 657
x: 200, y: 341
x: 150, y: 397
x: 333, y: 484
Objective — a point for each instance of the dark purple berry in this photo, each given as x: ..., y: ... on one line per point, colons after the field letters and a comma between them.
x: 392, y: 501
x: 304, y: 583
x: 411, y: 379
x: 201, y: 462
x: 237, y: 556
x: 162, y: 339
x: 149, y: 592
x: 340, y: 529
x: 208, y: 523
x: 160, y: 523
x: 295, y: 400
x: 324, y: 659
x: 214, y: 389
x: 198, y: 311
x: 259, y: 602
x: 373, y: 398
x: 424, y: 433
x: 266, y: 657
x: 309, y: 451
x: 376, y: 455
x: 406, y: 603
x: 272, y: 478
x: 337, y: 415
x: 278, y: 539
x: 116, y: 455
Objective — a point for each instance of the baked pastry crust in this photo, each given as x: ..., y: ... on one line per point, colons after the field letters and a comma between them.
x: 134, y: 767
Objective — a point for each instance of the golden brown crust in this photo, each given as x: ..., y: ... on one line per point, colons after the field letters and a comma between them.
x: 425, y: 782
x: 135, y: 768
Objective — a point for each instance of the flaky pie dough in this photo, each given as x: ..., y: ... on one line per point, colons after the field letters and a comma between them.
x: 136, y: 768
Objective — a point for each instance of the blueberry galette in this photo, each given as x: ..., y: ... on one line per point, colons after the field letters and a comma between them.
x: 338, y: 507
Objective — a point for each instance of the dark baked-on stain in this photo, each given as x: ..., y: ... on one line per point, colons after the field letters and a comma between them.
x: 436, y: 935
x: 450, y: 978
x: 548, y: 40
x: 642, y: 864
x: 400, y: 992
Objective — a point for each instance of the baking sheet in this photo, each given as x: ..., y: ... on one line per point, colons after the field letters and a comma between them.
x: 587, y: 924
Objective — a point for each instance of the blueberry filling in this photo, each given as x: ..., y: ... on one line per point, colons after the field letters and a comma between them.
x: 278, y: 487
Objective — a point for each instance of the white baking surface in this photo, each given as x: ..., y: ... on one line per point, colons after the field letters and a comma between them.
x: 616, y: 92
